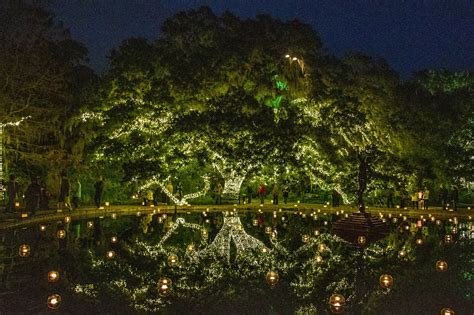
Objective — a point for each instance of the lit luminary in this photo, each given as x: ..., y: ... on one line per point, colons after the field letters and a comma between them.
x: 419, y: 241
x: 114, y: 239
x: 110, y: 254
x: 17, y: 205
x: 24, y: 250
x: 190, y: 248
x: 441, y: 266
x: 402, y: 253
x: 67, y: 219
x: 61, y: 234
x: 336, y: 303
x: 53, y: 276
x: 361, y: 240
x: 305, y: 238
x: 264, y: 249
x: 42, y: 228
x: 172, y: 260
x: 448, y: 238
x: 272, y: 278
x: 447, y: 311
x: 90, y: 224
x: 114, y: 216
x: 386, y: 281
x: 318, y: 259
x: 107, y: 203
x: 316, y: 232
x: 54, y: 301
x: 164, y: 286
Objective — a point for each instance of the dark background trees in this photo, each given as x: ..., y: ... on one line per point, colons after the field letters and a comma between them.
x: 43, y: 78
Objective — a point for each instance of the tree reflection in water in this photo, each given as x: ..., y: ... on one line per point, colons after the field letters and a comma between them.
x: 226, y: 270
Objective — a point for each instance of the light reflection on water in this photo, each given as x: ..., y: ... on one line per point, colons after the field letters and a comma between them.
x: 216, y: 263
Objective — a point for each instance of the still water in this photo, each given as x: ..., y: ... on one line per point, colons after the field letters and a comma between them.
x: 214, y: 263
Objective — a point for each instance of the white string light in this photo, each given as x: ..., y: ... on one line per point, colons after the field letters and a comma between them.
x: 2, y: 126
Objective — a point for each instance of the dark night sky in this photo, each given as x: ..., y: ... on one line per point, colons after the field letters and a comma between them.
x: 410, y: 35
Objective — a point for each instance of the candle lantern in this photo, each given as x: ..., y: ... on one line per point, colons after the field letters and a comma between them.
x: 54, y: 301
x: 447, y: 311
x: 386, y: 281
x: 164, y: 286
x: 318, y: 259
x: 190, y: 248
x: 419, y: 241
x: 402, y: 253
x: 361, y: 240
x: 441, y: 266
x: 172, y: 260
x: 114, y: 239
x: 67, y: 219
x: 53, y: 276
x: 24, y: 250
x: 272, y: 278
x: 336, y: 303
x: 110, y: 254
x: 61, y: 234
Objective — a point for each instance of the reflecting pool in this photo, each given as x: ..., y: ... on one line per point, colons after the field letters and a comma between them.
x: 239, y: 263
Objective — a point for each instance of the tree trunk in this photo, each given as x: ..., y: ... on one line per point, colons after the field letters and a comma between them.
x: 232, y: 184
x: 362, y: 182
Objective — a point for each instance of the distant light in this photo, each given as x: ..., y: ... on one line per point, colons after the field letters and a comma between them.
x: 54, y: 301
x: 110, y: 254
x: 24, y: 250
x: 53, y: 276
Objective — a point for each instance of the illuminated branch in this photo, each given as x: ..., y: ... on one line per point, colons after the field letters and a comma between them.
x: 184, y: 200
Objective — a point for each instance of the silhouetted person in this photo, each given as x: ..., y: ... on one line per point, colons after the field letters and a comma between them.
x: 455, y: 198
x: 335, y: 198
x: 249, y: 193
x: 262, y: 191
x: 76, y: 193
x: 443, y: 194
x: 286, y: 193
x: 33, y: 196
x: 99, y: 192
x: 64, y: 193
x: 12, y: 190
x: 390, y: 198
x: 275, y: 193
